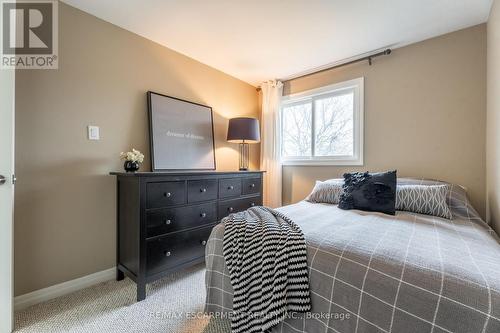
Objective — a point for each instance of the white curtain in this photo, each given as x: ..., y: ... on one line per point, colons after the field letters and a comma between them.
x: 269, y: 146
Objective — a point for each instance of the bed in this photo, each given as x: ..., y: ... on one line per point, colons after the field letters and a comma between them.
x: 371, y: 272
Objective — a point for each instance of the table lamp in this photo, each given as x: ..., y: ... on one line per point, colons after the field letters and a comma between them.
x: 243, y: 131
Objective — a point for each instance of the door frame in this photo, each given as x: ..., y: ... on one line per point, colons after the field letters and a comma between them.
x: 7, y: 128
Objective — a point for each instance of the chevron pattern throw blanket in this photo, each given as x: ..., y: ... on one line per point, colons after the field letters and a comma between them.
x: 265, y: 253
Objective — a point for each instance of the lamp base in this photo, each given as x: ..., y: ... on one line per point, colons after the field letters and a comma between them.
x: 244, y: 156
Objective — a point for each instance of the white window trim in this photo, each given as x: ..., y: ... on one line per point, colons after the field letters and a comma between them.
x: 356, y: 160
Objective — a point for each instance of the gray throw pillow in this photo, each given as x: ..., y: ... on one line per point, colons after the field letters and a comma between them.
x: 326, y: 192
x: 424, y: 199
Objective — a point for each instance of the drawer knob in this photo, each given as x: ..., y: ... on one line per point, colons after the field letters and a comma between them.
x: 167, y: 253
x: 204, y: 242
x: 230, y: 209
x: 252, y: 185
x: 203, y: 215
x: 167, y: 221
x: 167, y: 194
x: 252, y: 204
x: 230, y: 187
x: 203, y: 190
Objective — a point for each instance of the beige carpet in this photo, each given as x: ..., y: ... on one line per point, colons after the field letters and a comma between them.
x: 173, y: 304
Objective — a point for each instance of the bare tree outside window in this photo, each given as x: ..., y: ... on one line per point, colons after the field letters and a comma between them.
x: 296, y: 138
x: 333, y: 126
x: 324, y: 126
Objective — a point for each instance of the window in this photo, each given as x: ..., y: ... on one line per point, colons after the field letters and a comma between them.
x: 323, y: 126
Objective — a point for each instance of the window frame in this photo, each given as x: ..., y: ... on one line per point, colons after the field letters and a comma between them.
x: 357, y: 86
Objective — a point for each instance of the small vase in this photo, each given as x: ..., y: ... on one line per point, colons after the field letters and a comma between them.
x: 131, y: 166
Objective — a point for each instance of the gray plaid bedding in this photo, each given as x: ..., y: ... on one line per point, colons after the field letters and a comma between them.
x: 371, y: 272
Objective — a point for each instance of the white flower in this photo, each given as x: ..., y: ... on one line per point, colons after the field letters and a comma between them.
x: 132, y: 156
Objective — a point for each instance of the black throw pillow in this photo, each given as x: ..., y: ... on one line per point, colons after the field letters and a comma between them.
x: 374, y: 192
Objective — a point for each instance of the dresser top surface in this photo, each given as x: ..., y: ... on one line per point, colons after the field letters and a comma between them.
x: 182, y: 173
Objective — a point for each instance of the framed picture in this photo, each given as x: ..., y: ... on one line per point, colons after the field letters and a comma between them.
x: 181, y: 134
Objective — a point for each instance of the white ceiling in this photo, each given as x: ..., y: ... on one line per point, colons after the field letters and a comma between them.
x: 256, y: 40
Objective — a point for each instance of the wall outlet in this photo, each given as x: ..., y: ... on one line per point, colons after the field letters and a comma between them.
x: 93, y: 132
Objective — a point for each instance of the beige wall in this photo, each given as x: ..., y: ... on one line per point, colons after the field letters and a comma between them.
x: 493, y: 118
x: 424, y: 114
x: 65, y: 201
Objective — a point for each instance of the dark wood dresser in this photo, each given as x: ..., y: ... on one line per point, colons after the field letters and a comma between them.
x: 164, y: 219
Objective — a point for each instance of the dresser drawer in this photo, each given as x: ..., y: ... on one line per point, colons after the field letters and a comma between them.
x: 176, y: 249
x: 250, y: 185
x: 202, y: 190
x: 237, y: 205
x: 165, y: 194
x: 167, y: 220
x: 229, y: 187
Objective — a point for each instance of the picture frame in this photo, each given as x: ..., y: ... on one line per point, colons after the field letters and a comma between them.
x: 181, y: 134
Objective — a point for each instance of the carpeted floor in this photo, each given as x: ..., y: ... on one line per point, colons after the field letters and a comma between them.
x: 173, y: 304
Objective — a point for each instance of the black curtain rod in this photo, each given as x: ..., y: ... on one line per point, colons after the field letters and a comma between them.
x: 368, y: 57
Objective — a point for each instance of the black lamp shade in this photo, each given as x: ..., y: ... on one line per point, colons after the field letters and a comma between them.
x: 246, y: 129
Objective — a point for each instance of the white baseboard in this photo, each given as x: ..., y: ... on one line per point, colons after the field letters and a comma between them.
x: 61, y: 289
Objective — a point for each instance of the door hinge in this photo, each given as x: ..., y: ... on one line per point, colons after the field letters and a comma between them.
x: 14, y: 179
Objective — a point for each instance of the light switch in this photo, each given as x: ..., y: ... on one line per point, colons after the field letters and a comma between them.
x: 93, y: 132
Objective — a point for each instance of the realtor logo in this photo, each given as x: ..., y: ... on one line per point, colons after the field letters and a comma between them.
x: 29, y: 34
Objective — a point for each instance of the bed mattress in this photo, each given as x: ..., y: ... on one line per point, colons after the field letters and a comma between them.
x: 371, y: 272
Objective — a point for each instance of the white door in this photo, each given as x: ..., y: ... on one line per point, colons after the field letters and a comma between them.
x: 7, y: 97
